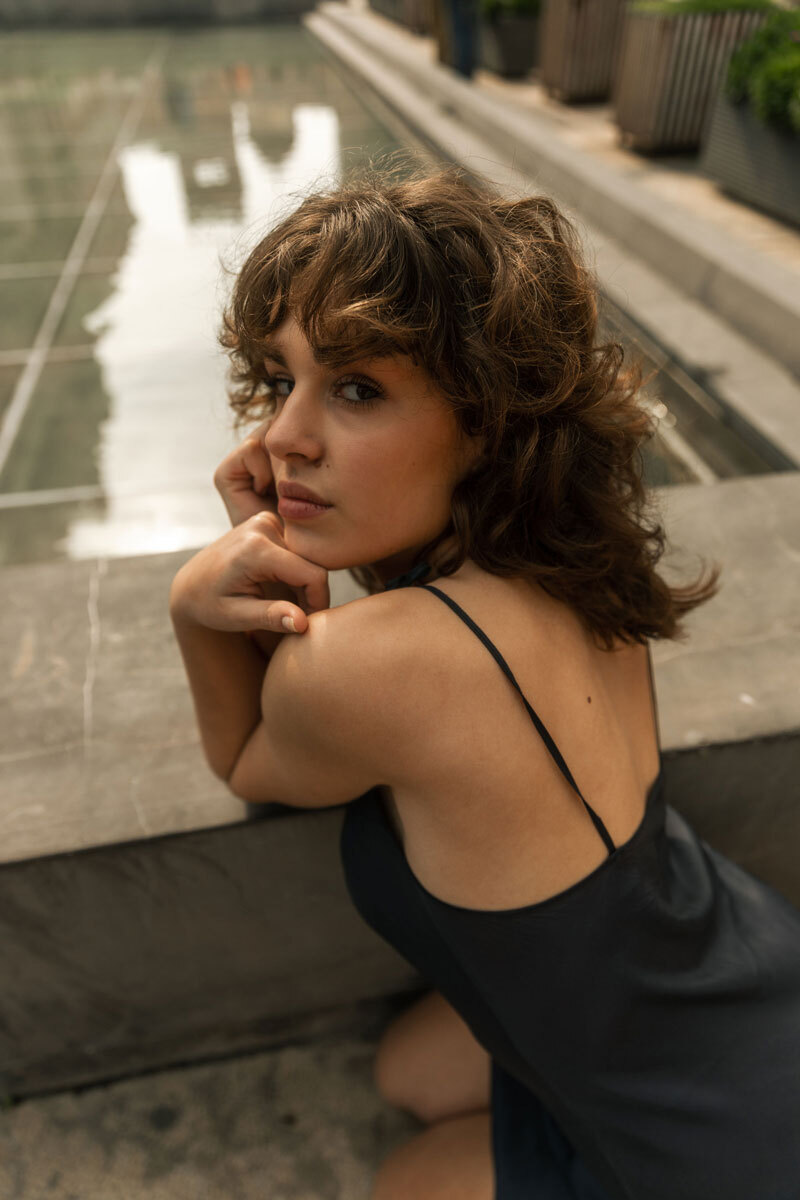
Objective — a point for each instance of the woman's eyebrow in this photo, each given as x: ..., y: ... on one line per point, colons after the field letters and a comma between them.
x: 272, y: 351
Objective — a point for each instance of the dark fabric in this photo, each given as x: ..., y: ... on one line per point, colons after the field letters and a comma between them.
x: 528, y: 1146
x: 643, y: 1024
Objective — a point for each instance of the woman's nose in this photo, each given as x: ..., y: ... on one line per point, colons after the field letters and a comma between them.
x: 294, y: 429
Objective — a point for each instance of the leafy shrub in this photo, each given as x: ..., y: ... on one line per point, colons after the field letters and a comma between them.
x: 794, y: 111
x: 680, y: 7
x: 775, y: 87
x: 492, y: 9
x: 765, y: 72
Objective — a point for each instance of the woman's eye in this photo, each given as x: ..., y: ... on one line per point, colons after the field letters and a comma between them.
x: 277, y: 383
x: 359, y: 392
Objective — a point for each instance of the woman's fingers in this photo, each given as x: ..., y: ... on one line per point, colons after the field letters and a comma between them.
x: 265, y: 557
x: 317, y: 594
x: 247, y: 613
x: 244, y: 478
x: 247, y: 579
x: 256, y: 462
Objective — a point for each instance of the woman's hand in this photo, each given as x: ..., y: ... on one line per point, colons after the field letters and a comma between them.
x: 248, y: 580
x: 244, y: 478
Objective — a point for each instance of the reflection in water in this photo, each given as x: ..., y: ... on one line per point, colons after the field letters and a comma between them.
x: 56, y: 127
x: 157, y: 347
x: 116, y: 451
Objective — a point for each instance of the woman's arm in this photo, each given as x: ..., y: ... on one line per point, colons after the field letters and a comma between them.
x: 244, y: 481
x: 305, y: 737
x: 246, y: 580
x: 226, y: 673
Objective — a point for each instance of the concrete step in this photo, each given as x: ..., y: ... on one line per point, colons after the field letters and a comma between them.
x: 645, y: 249
x: 751, y: 290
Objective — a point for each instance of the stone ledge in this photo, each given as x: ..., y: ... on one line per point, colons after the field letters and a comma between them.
x: 147, y: 920
x: 99, y: 745
x: 177, y: 949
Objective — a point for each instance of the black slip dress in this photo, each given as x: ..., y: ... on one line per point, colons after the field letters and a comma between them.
x: 643, y: 1024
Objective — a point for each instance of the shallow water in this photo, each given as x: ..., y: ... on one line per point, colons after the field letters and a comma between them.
x: 136, y: 167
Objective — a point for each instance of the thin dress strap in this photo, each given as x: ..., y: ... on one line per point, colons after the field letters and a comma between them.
x: 546, y: 738
x: 653, y: 699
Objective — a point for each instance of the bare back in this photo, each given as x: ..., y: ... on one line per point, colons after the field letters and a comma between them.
x: 486, y: 818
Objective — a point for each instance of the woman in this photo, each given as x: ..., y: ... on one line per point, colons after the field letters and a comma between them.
x: 616, y: 1006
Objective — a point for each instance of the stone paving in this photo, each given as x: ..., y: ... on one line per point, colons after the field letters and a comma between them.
x: 299, y: 1123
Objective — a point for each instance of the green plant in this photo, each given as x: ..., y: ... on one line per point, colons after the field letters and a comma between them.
x: 765, y: 72
x: 774, y: 89
x: 794, y: 111
x: 679, y: 7
x: 492, y: 9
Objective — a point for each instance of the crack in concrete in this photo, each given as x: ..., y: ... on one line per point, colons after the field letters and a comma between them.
x: 27, y: 645
x: 93, y: 608
x: 137, y: 808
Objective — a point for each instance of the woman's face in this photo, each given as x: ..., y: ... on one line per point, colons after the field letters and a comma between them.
x: 376, y: 440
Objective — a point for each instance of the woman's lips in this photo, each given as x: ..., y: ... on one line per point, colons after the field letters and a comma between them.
x: 295, y: 509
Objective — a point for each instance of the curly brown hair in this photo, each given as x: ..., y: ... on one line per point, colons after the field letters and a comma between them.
x: 493, y: 298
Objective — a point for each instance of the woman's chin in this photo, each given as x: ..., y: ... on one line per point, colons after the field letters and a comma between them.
x: 315, y: 549
x: 333, y: 556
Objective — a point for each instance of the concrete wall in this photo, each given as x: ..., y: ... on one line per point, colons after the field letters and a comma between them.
x: 179, y: 949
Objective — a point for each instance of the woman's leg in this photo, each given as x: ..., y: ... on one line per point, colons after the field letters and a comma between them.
x: 451, y: 1160
x: 429, y: 1063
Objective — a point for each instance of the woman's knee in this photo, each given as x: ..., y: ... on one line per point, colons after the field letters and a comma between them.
x: 451, y: 1160
x: 429, y: 1063
x: 393, y: 1067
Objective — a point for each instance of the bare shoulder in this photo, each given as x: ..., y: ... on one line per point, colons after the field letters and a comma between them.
x: 364, y: 639
x: 379, y: 672
x: 353, y: 671
x: 385, y: 646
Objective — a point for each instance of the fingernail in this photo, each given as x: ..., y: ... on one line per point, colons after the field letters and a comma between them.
x: 288, y: 624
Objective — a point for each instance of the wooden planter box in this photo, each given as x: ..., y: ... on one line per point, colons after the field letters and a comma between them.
x: 579, y: 47
x: 415, y: 15
x: 670, y: 69
x: 509, y: 44
x: 387, y: 8
x: 753, y: 161
x: 419, y: 16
